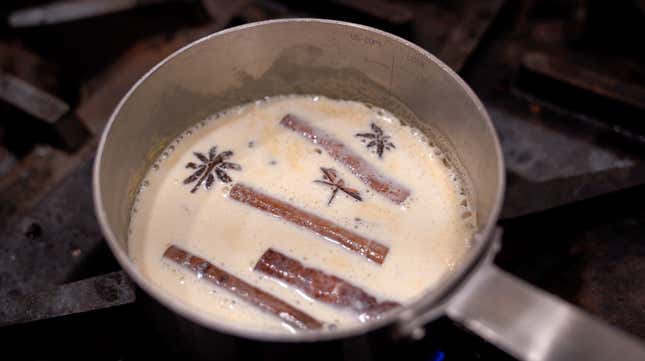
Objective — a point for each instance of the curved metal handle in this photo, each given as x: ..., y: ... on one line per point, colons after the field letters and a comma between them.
x: 531, y: 324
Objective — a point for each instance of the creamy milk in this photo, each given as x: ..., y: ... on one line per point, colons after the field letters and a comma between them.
x: 427, y: 234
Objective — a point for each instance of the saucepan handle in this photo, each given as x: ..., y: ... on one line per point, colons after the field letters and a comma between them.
x: 531, y: 324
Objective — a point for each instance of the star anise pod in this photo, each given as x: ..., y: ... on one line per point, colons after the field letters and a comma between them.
x: 214, y: 163
x: 377, y: 139
x: 330, y: 178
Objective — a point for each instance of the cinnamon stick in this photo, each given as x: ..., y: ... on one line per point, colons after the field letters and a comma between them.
x: 371, y: 249
x: 361, y: 168
x: 243, y: 290
x: 320, y: 285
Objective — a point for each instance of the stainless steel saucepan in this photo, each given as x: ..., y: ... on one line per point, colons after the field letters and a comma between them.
x: 348, y: 61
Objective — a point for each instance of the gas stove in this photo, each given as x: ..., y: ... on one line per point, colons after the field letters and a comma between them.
x: 562, y: 81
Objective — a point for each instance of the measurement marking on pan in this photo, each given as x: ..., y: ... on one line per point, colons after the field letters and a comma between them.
x: 365, y: 40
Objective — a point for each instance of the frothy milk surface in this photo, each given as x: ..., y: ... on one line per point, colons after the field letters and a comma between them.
x: 427, y: 234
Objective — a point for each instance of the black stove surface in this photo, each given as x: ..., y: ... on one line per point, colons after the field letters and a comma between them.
x: 562, y: 81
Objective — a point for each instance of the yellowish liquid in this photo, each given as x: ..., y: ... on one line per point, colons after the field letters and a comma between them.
x: 427, y: 235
